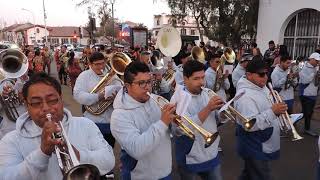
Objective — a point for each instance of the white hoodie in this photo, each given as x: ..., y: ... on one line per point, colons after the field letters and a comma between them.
x: 279, y: 77
x: 143, y: 137
x: 21, y: 157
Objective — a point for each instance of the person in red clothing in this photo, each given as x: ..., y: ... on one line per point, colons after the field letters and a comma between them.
x: 73, y: 69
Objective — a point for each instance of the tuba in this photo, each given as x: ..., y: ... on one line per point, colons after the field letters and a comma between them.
x: 197, y: 54
x: 284, y: 120
x: 68, y: 161
x: 231, y: 114
x: 208, y: 137
x: 118, y: 63
x: 13, y: 64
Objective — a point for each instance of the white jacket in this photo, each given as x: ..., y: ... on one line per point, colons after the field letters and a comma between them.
x: 237, y: 73
x: 306, y: 81
x: 143, y: 137
x: 210, y: 77
x: 22, y: 159
x: 279, y: 77
x: 179, y: 75
x: 86, y: 81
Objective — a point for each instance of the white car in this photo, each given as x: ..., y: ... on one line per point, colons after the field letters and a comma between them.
x: 69, y: 46
x: 78, y: 52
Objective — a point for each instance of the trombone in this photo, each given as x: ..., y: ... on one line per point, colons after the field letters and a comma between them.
x: 232, y: 113
x: 208, y: 137
x: 68, y: 161
x: 284, y: 120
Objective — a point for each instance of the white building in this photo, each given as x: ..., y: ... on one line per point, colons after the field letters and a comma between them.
x: 187, y: 27
x: 294, y: 23
x: 68, y: 35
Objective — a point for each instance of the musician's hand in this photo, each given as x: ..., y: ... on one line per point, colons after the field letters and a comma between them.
x: 101, y: 95
x: 6, y: 90
x: 215, y: 103
x: 112, y: 96
x: 279, y: 108
x: 158, y: 76
x: 48, y: 143
x: 168, y: 113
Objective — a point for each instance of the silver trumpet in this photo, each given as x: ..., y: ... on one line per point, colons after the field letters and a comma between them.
x: 284, y: 120
x: 231, y: 113
x: 68, y: 161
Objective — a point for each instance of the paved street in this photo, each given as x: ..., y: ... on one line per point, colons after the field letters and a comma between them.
x: 298, y: 159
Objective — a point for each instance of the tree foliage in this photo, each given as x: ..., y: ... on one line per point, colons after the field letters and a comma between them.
x: 226, y: 21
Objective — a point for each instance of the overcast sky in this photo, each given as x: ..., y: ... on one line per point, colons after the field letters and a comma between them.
x: 65, y: 13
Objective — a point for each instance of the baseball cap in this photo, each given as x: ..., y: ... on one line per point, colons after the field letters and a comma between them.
x: 315, y: 56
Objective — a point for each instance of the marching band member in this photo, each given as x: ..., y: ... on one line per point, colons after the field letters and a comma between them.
x: 141, y: 128
x: 308, y: 90
x: 27, y: 152
x: 63, y: 60
x: 211, y: 77
x: 240, y: 70
x: 191, y: 155
x: 85, y: 82
x: 184, y: 56
x: 7, y: 123
x: 262, y: 143
x: 283, y: 82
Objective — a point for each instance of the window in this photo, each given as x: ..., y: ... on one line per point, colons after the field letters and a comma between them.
x: 158, y: 22
x: 193, y: 32
x: 183, y: 31
x: 301, y: 35
x: 64, y: 41
x: 38, y: 31
x: 157, y: 33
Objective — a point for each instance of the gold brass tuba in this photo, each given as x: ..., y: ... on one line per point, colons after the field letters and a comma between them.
x: 118, y: 63
x: 197, y: 54
x: 232, y: 113
x: 284, y: 119
x: 208, y: 137
x: 13, y: 64
x: 68, y: 161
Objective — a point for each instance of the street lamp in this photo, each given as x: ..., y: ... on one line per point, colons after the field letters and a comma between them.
x: 45, y: 22
x: 112, y: 43
x: 34, y: 23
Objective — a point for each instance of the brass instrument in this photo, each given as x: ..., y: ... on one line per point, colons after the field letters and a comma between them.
x: 197, y: 54
x: 13, y: 64
x: 290, y: 81
x: 284, y: 120
x: 232, y: 114
x: 118, y: 63
x: 208, y: 137
x: 68, y: 161
x: 228, y: 56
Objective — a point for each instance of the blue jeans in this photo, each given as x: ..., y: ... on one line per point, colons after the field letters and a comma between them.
x: 255, y: 170
x: 214, y: 174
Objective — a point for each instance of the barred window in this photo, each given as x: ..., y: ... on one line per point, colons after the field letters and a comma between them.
x: 302, y: 35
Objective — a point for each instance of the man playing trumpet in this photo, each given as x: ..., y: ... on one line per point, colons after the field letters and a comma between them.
x: 27, y: 152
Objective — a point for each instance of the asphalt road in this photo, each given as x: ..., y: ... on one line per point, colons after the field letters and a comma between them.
x: 298, y: 159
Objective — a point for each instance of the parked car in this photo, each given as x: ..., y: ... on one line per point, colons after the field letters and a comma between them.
x: 69, y: 46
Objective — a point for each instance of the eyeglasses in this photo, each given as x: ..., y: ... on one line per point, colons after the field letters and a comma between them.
x: 39, y: 104
x: 262, y: 74
x: 143, y: 83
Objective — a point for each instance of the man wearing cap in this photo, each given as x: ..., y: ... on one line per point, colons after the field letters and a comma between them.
x: 308, y: 91
x: 284, y: 81
x: 261, y: 143
x: 240, y: 70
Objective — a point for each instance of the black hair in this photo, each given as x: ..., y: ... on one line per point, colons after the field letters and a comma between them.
x: 41, y: 78
x: 71, y: 58
x: 256, y: 65
x: 133, y: 69
x: 96, y: 56
x: 283, y: 50
x: 192, y: 66
x: 64, y: 46
x: 37, y: 52
x: 254, y: 45
x: 211, y: 56
x: 284, y: 58
x: 271, y: 42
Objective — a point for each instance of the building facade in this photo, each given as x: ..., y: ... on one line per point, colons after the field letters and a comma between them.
x: 186, y: 27
x: 68, y: 35
x: 294, y: 23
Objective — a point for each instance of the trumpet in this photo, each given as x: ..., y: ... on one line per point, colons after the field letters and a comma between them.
x: 232, y: 113
x: 284, y: 120
x: 290, y: 81
x: 208, y: 137
x: 68, y: 161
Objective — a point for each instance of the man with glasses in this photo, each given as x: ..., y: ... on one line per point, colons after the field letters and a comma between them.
x: 261, y: 144
x: 308, y: 90
x: 27, y: 152
x: 240, y: 70
x: 141, y: 127
x: 85, y: 82
x: 211, y: 76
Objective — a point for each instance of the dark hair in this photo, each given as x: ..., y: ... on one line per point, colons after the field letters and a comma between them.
x: 212, y: 56
x: 192, y: 66
x: 96, y: 56
x: 71, y: 58
x: 40, y: 78
x: 271, y: 42
x: 64, y: 46
x: 133, y: 69
x: 283, y: 50
x: 37, y: 52
x: 254, y: 45
x: 256, y: 65
x: 284, y: 58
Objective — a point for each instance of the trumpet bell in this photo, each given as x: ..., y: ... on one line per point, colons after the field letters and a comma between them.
x: 83, y: 172
x: 119, y: 62
x: 228, y: 55
x: 197, y: 54
x: 13, y: 63
x: 169, y: 41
